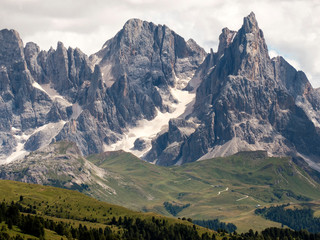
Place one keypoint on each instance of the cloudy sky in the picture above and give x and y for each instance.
(291, 27)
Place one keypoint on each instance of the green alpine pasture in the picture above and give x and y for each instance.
(228, 188)
(71, 207)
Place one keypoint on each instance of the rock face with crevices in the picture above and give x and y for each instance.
(92, 101)
(61, 165)
(22, 106)
(245, 101)
(133, 74)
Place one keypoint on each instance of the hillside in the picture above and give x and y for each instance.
(75, 209)
(227, 188)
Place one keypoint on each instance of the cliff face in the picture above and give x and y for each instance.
(245, 101)
(133, 76)
(62, 94)
(147, 83)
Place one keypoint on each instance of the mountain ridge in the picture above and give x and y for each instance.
(77, 89)
(246, 101)
(200, 105)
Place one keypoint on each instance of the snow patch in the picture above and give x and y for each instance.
(54, 95)
(107, 76)
(149, 129)
(21, 138)
(311, 163)
(19, 152)
(308, 109)
(38, 86)
(76, 111)
(233, 36)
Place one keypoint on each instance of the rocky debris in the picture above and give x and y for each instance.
(245, 101)
(43, 136)
(167, 146)
(61, 165)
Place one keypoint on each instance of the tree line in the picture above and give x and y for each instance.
(131, 228)
(216, 225)
(296, 219)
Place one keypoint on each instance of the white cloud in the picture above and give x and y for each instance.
(291, 27)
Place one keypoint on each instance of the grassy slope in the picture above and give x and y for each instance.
(264, 180)
(70, 206)
(139, 185)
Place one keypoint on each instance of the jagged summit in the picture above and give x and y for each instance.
(244, 101)
(250, 23)
(225, 39)
(9, 33)
(12, 47)
(60, 94)
(135, 24)
(148, 80)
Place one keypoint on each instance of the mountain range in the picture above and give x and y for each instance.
(150, 92)
(154, 123)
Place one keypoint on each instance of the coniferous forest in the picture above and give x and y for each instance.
(296, 219)
(28, 222)
(216, 225)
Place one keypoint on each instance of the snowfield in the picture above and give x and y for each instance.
(147, 130)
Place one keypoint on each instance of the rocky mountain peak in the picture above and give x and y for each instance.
(31, 49)
(225, 39)
(251, 37)
(250, 52)
(240, 99)
(133, 23)
(245, 101)
(11, 50)
(250, 24)
(10, 35)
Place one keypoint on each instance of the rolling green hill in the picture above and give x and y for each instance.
(74, 208)
(228, 188)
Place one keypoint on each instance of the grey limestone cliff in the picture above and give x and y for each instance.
(245, 101)
(61, 94)
(132, 79)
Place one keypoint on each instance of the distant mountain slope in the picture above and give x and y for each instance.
(245, 101)
(237, 183)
